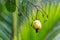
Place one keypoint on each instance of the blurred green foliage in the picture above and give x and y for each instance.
(14, 27)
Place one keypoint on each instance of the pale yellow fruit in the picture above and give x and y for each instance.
(37, 24)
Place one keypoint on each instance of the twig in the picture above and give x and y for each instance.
(37, 7)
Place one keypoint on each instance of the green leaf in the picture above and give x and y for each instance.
(11, 5)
